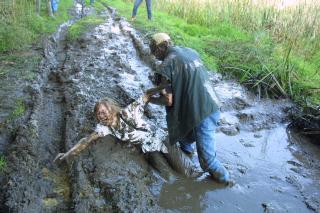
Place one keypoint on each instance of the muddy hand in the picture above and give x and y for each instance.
(60, 157)
(156, 90)
(146, 98)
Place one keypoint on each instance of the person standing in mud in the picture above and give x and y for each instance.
(135, 9)
(191, 103)
(125, 124)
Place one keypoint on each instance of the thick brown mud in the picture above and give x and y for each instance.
(275, 169)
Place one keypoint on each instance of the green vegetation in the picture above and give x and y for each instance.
(21, 25)
(83, 25)
(264, 46)
(3, 163)
(273, 48)
(98, 6)
(19, 109)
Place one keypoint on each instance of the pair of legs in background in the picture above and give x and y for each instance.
(137, 4)
(204, 136)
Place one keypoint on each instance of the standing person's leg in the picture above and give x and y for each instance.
(149, 8)
(54, 6)
(206, 148)
(135, 8)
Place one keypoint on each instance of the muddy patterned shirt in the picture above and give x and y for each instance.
(133, 129)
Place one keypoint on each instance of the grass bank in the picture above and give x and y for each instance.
(21, 29)
(231, 38)
(21, 25)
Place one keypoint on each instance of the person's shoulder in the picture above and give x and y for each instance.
(185, 52)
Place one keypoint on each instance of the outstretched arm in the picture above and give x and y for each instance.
(81, 145)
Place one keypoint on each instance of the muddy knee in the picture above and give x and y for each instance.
(159, 162)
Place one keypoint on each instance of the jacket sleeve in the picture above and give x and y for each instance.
(133, 113)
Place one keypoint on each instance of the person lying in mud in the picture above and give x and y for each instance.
(191, 103)
(126, 124)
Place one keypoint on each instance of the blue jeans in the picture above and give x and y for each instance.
(137, 4)
(54, 5)
(203, 135)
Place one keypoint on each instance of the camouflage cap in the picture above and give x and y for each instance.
(158, 38)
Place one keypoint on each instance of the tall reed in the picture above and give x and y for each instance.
(298, 22)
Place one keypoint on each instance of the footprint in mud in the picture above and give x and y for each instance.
(246, 144)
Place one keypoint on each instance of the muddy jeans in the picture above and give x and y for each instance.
(204, 134)
(137, 4)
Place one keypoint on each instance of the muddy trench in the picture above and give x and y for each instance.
(274, 169)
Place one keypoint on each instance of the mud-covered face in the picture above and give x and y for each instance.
(160, 50)
(104, 114)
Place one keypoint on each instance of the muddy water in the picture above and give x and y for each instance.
(274, 170)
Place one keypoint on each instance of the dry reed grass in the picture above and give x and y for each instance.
(296, 21)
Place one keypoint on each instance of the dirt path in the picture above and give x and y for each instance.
(274, 172)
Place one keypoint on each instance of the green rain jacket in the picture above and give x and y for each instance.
(193, 97)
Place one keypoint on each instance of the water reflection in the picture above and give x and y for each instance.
(187, 195)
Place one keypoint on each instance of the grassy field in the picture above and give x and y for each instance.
(273, 48)
(21, 25)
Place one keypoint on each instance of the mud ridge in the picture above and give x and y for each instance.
(35, 184)
(109, 176)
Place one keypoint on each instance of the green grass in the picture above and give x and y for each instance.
(182, 33)
(21, 26)
(98, 6)
(271, 50)
(253, 56)
(3, 163)
(83, 25)
(19, 109)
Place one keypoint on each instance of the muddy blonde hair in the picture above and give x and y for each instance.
(109, 103)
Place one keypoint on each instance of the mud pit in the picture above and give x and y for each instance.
(273, 173)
